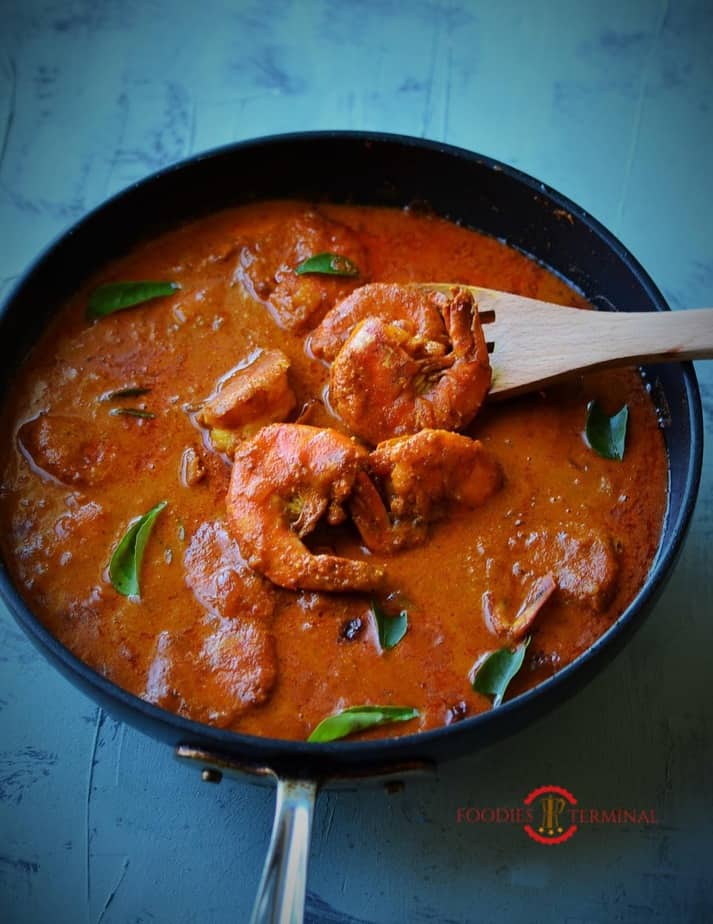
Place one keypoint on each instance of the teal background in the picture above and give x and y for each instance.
(609, 102)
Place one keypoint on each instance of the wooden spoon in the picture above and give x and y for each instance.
(534, 343)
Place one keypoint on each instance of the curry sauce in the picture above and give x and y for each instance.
(109, 417)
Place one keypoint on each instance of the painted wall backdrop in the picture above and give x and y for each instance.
(609, 102)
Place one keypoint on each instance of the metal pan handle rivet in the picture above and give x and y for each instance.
(208, 775)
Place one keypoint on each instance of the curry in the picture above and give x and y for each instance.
(250, 474)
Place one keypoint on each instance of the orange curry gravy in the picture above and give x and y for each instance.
(213, 641)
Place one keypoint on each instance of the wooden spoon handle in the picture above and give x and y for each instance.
(665, 336)
(537, 344)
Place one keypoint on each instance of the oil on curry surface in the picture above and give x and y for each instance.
(266, 492)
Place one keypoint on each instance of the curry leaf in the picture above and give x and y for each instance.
(131, 412)
(356, 718)
(606, 435)
(130, 392)
(115, 296)
(391, 629)
(331, 264)
(497, 670)
(125, 564)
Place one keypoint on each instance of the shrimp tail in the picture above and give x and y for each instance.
(304, 571)
(376, 528)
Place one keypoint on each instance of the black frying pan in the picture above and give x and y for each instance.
(384, 170)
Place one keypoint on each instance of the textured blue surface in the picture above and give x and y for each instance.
(610, 103)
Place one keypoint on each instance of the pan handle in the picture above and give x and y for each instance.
(281, 894)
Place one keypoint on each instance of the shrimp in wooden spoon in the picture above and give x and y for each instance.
(389, 380)
(397, 304)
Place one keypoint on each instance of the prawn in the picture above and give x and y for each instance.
(284, 481)
(398, 304)
(420, 477)
(387, 380)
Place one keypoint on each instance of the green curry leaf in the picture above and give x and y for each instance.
(331, 264)
(356, 718)
(131, 391)
(115, 296)
(391, 629)
(131, 412)
(497, 670)
(606, 435)
(125, 564)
